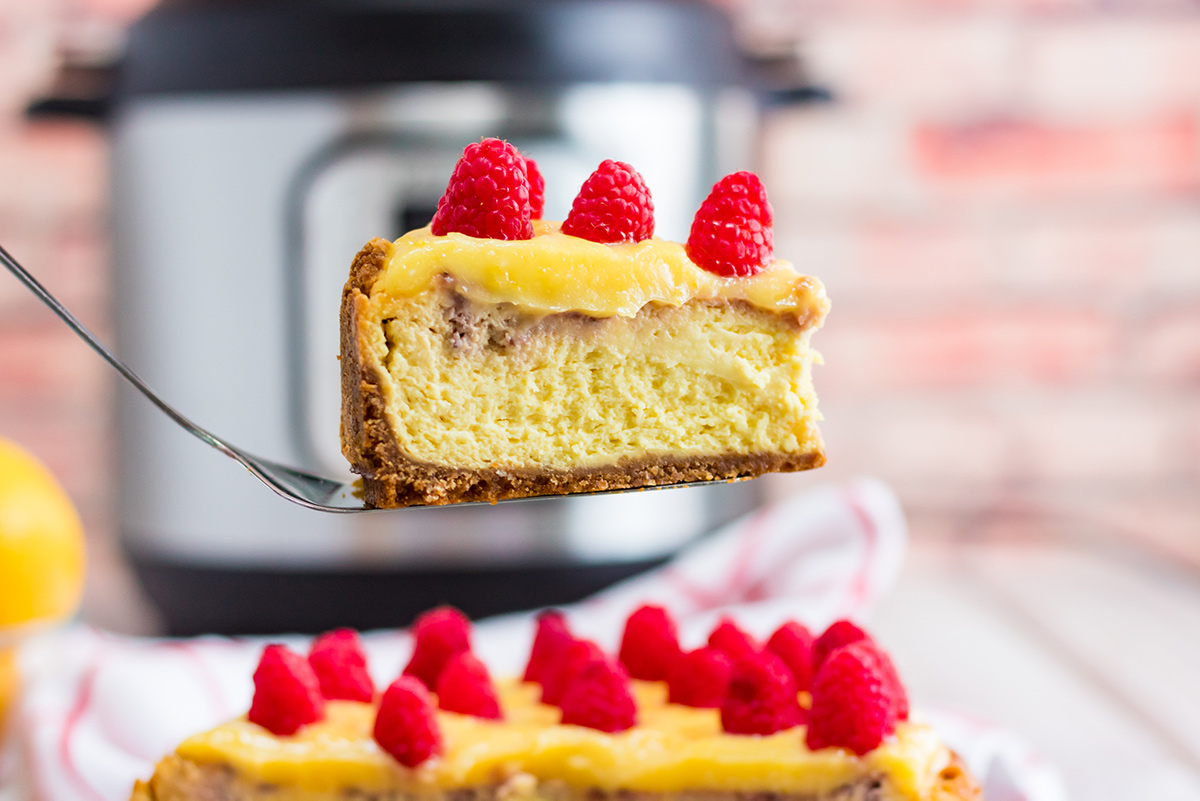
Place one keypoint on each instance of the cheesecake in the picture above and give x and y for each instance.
(773, 730)
(480, 369)
(674, 753)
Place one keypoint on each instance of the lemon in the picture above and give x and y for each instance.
(41, 543)
(8, 683)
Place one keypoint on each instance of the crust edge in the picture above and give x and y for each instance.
(367, 440)
(417, 483)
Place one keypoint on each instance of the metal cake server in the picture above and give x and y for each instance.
(297, 486)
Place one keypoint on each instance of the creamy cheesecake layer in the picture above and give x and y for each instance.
(554, 272)
(481, 386)
(673, 749)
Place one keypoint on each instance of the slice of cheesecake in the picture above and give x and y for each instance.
(479, 369)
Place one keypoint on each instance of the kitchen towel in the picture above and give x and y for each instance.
(100, 709)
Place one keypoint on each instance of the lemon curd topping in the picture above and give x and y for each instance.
(672, 749)
(554, 272)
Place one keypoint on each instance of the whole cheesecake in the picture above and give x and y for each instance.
(479, 369)
(675, 752)
(796, 719)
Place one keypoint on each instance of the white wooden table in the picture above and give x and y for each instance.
(1090, 650)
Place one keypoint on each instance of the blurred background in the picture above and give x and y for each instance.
(1003, 199)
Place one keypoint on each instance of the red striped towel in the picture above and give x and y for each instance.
(99, 709)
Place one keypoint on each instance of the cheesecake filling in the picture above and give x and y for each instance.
(554, 273)
(673, 749)
(494, 386)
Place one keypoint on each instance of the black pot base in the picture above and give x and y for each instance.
(219, 600)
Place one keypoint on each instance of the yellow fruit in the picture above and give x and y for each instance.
(41, 543)
(8, 681)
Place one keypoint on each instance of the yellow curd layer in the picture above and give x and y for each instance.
(672, 749)
(553, 273)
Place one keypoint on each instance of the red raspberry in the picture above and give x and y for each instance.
(287, 694)
(338, 659)
(732, 641)
(793, 644)
(537, 189)
(614, 205)
(851, 705)
(599, 698)
(731, 233)
(700, 679)
(650, 644)
(839, 633)
(761, 698)
(550, 645)
(437, 635)
(406, 725)
(465, 687)
(895, 687)
(488, 194)
(556, 682)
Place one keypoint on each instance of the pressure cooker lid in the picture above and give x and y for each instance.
(222, 45)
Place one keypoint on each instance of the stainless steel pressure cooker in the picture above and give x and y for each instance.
(256, 147)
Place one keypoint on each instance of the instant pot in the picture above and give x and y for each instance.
(255, 148)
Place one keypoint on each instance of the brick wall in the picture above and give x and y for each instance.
(55, 395)
(1004, 202)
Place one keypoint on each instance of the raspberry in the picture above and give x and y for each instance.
(599, 698)
(891, 677)
(731, 232)
(287, 694)
(613, 205)
(793, 644)
(488, 194)
(406, 725)
(839, 633)
(537, 189)
(437, 635)
(465, 687)
(550, 645)
(700, 679)
(851, 706)
(732, 641)
(576, 658)
(650, 644)
(338, 659)
(761, 698)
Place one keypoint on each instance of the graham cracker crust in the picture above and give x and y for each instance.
(415, 483)
(392, 479)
